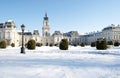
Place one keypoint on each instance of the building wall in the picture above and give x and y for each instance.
(9, 33)
(111, 33)
(57, 39)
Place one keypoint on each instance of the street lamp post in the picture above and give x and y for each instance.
(22, 48)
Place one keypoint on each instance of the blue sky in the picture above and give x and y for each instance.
(64, 15)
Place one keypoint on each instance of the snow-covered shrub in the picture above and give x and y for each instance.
(3, 44)
(101, 45)
(75, 45)
(93, 44)
(116, 43)
(12, 45)
(56, 44)
(82, 44)
(109, 43)
(63, 44)
(51, 44)
(39, 44)
(31, 44)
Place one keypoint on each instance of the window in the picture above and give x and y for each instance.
(114, 37)
(8, 26)
(1, 26)
(46, 33)
(57, 39)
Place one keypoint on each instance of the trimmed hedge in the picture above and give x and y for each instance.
(56, 44)
(75, 45)
(39, 44)
(101, 45)
(31, 44)
(109, 43)
(116, 43)
(82, 44)
(51, 45)
(3, 44)
(13, 45)
(93, 44)
(63, 44)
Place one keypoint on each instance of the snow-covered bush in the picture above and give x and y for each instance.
(51, 44)
(39, 44)
(12, 45)
(93, 44)
(31, 44)
(82, 44)
(109, 43)
(56, 44)
(101, 44)
(116, 43)
(63, 44)
(3, 44)
(75, 45)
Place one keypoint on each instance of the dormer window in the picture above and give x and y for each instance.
(9, 26)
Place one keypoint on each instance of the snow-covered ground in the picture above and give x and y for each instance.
(50, 62)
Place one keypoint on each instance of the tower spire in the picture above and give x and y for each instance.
(46, 18)
(46, 14)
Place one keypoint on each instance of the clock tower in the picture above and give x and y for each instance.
(46, 31)
(46, 28)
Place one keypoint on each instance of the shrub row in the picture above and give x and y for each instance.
(39, 44)
(3, 44)
(100, 45)
(116, 43)
(82, 44)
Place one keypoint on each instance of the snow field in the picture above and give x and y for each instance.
(50, 62)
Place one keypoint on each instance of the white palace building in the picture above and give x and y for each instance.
(9, 33)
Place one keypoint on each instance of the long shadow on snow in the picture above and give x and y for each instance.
(55, 62)
(104, 53)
